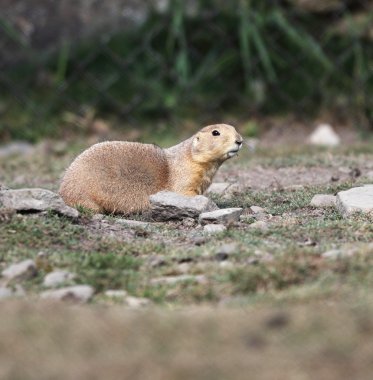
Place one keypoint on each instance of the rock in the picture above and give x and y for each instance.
(294, 187)
(77, 293)
(214, 228)
(226, 265)
(223, 216)
(183, 268)
(172, 280)
(36, 200)
(156, 261)
(324, 135)
(116, 293)
(323, 200)
(232, 190)
(98, 217)
(131, 223)
(20, 271)
(226, 250)
(259, 257)
(357, 199)
(259, 213)
(200, 240)
(56, 278)
(257, 210)
(188, 222)
(218, 188)
(167, 205)
(260, 225)
(335, 254)
(136, 302)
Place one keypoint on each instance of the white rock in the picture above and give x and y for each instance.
(98, 217)
(323, 200)
(260, 225)
(294, 187)
(20, 271)
(56, 278)
(167, 205)
(257, 210)
(226, 250)
(214, 228)
(226, 265)
(35, 200)
(172, 280)
(222, 216)
(77, 293)
(189, 222)
(324, 135)
(233, 190)
(357, 199)
(218, 188)
(132, 223)
(116, 293)
(334, 254)
(136, 302)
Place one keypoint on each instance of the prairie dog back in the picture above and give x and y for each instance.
(115, 176)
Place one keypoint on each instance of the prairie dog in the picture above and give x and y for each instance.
(119, 176)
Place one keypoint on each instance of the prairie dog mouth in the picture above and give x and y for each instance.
(233, 152)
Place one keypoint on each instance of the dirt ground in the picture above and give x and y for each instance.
(249, 303)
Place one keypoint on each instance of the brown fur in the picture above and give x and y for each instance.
(119, 176)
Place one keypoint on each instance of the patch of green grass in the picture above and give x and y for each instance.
(107, 270)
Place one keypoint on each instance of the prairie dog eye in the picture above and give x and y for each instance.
(215, 133)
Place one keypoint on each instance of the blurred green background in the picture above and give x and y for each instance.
(154, 63)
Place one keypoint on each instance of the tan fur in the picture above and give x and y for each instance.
(119, 176)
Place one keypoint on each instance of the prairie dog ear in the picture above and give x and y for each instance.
(196, 140)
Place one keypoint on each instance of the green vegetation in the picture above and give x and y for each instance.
(242, 57)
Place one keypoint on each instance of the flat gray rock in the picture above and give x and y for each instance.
(20, 271)
(136, 302)
(172, 280)
(212, 229)
(35, 200)
(225, 251)
(357, 199)
(260, 225)
(335, 254)
(167, 205)
(323, 200)
(218, 188)
(116, 294)
(77, 293)
(258, 210)
(56, 278)
(222, 216)
(132, 223)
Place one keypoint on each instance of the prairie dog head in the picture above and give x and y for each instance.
(216, 143)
